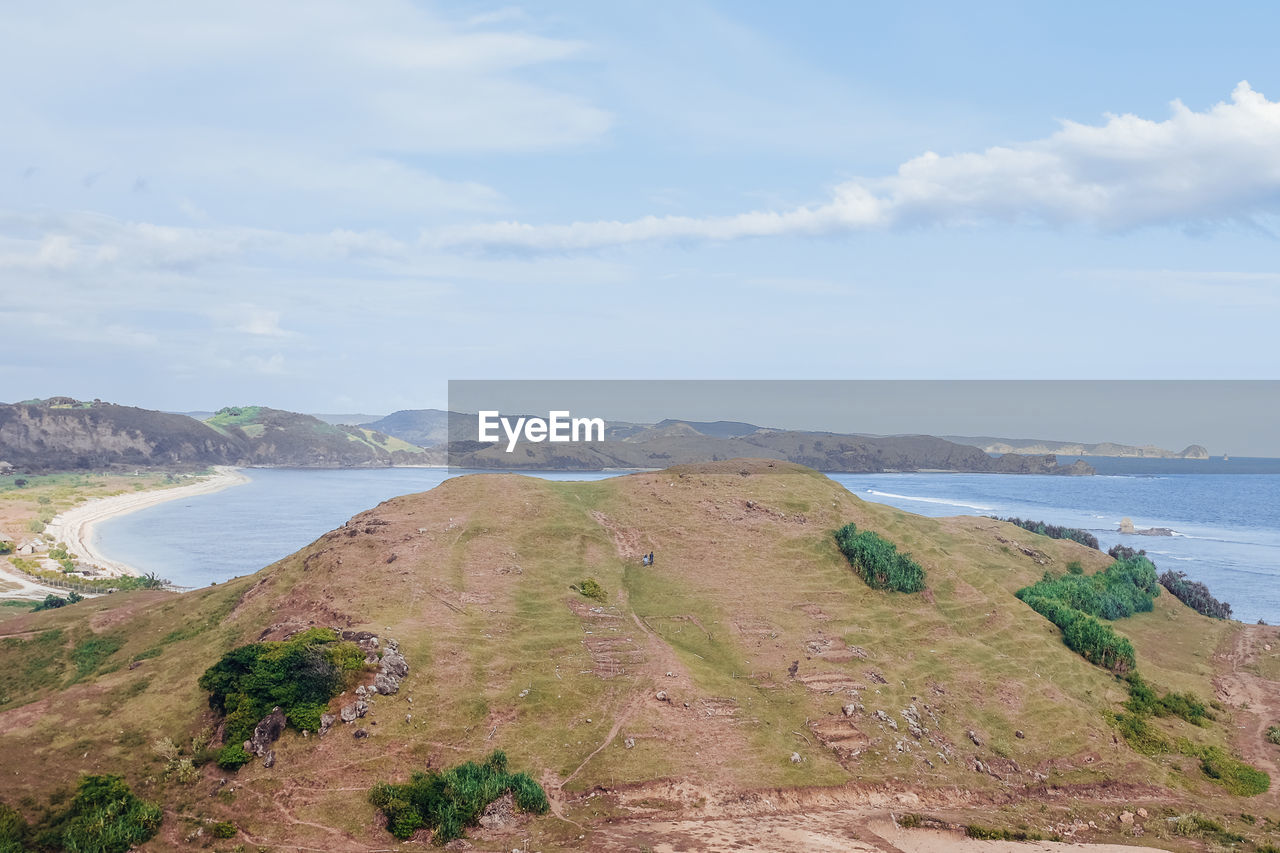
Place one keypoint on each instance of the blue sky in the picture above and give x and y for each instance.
(339, 206)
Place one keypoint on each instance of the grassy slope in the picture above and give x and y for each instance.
(478, 596)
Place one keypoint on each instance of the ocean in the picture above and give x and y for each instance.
(1227, 524)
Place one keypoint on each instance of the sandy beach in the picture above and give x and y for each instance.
(75, 527)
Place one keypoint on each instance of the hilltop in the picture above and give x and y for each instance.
(62, 433)
(746, 680)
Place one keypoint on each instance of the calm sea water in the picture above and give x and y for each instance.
(1228, 525)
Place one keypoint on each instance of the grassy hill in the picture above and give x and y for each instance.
(275, 437)
(750, 624)
(61, 434)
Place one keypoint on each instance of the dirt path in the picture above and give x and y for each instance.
(1254, 700)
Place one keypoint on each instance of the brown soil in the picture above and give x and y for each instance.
(1254, 700)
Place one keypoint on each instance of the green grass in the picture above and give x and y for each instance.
(91, 653)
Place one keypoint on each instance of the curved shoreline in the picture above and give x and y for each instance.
(75, 527)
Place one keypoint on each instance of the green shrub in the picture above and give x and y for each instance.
(1273, 735)
(233, 757)
(1144, 700)
(1072, 601)
(1198, 826)
(1233, 774)
(591, 589)
(448, 802)
(104, 816)
(1140, 736)
(5, 547)
(223, 829)
(986, 833)
(13, 830)
(1122, 589)
(306, 717)
(1195, 595)
(877, 561)
(300, 675)
(1075, 568)
(1054, 531)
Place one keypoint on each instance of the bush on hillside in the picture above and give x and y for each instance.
(1195, 595)
(300, 675)
(591, 589)
(1122, 589)
(104, 816)
(1124, 552)
(1145, 701)
(877, 560)
(1055, 531)
(447, 803)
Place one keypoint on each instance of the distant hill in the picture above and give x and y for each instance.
(289, 439)
(62, 433)
(422, 427)
(672, 442)
(344, 419)
(1073, 448)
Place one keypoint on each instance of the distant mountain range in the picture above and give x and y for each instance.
(672, 442)
(62, 433)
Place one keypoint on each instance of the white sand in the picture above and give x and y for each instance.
(75, 527)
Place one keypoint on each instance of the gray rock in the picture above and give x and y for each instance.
(629, 742)
(973, 737)
(360, 733)
(265, 733)
(326, 722)
(269, 760)
(795, 758)
(349, 712)
(661, 696)
(501, 812)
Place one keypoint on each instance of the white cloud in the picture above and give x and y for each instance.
(293, 114)
(1194, 168)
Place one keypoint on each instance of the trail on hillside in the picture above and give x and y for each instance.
(1254, 700)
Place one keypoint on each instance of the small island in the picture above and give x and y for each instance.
(1126, 526)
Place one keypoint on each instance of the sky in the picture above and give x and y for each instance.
(338, 206)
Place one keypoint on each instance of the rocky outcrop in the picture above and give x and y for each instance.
(265, 733)
(392, 669)
(1126, 527)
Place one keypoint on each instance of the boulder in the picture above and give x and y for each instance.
(391, 670)
(265, 733)
(326, 722)
(353, 711)
(501, 812)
